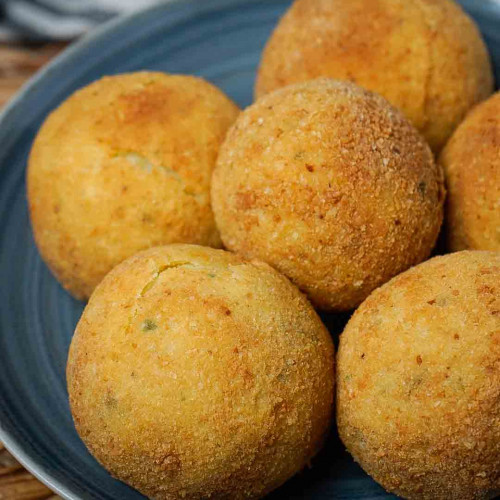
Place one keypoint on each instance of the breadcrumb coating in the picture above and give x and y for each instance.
(418, 371)
(330, 185)
(194, 373)
(471, 162)
(426, 57)
(122, 165)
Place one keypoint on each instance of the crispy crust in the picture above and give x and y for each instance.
(418, 370)
(195, 373)
(331, 186)
(471, 162)
(426, 57)
(122, 165)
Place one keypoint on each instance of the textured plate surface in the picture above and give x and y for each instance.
(220, 40)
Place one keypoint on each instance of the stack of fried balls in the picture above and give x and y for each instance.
(205, 238)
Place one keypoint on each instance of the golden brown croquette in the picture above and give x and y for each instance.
(330, 185)
(194, 373)
(426, 57)
(418, 370)
(122, 165)
(471, 162)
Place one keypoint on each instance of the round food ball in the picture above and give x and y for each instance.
(330, 185)
(418, 370)
(471, 162)
(426, 57)
(122, 165)
(194, 373)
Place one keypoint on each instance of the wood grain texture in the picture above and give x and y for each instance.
(18, 484)
(17, 64)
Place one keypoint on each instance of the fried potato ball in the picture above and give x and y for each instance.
(426, 57)
(330, 185)
(194, 373)
(122, 165)
(471, 162)
(418, 370)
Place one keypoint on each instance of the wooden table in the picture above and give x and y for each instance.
(17, 64)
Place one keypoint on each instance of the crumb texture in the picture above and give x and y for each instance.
(196, 373)
(426, 57)
(330, 185)
(418, 400)
(122, 165)
(471, 162)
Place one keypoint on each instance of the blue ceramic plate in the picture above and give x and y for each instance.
(220, 40)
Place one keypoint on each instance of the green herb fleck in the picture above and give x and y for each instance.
(148, 325)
